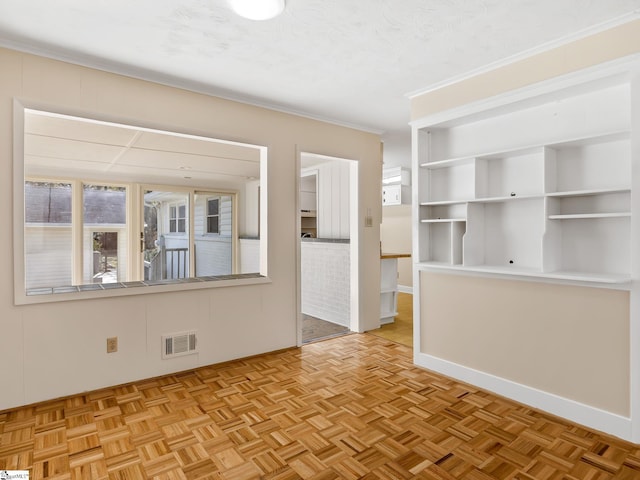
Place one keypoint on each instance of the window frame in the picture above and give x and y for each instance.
(77, 292)
(177, 206)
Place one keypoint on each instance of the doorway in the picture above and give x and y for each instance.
(327, 247)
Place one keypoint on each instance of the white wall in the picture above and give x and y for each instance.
(59, 348)
(333, 199)
(249, 207)
(249, 253)
(397, 149)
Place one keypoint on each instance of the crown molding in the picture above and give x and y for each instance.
(545, 47)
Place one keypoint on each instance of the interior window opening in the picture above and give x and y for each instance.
(110, 205)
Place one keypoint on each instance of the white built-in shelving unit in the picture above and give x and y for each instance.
(537, 187)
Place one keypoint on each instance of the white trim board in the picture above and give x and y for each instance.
(571, 410)
(405, 289)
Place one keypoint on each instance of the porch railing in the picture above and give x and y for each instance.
(169, 263)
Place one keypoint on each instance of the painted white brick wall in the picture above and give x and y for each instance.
(325, 282)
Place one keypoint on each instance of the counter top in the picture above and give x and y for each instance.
(324, 240)
(394, 255)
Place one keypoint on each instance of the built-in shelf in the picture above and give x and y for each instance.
(589, 215)
(586, 193)
(445, 202)
(443, 220)
(308, 223)
(534, 191)
(509, 198)
(448, 163)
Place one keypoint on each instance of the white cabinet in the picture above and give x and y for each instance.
(396, 188)
(539, 187)
(395, 195)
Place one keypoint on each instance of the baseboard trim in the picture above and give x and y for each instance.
(405, 289)
(595, 418)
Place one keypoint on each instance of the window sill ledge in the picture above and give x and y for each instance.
(107, 290)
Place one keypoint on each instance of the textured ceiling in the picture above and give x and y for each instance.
(349, 61)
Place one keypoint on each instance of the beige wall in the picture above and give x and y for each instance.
(607, 45)
(395, 235)
(570, 341)
(55, 349)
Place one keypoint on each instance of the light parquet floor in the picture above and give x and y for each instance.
(352, 407)
(401, 330)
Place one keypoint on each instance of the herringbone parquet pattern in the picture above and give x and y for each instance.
(347, 408)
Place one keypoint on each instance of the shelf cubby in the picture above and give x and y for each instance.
(505, 234)
(453, 183)
(510, 174)
(449, 212)
(592, 205)
(597, 162)
(591, 246)
(445, 242)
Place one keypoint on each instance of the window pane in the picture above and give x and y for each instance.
(214, 253)
(166, 240)
(105, 258)
(47, 202)
(104, 204)
(212, 207)
(47, 235)
(212, 225)
(105, 235)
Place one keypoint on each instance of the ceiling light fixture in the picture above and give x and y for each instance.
(257, 9)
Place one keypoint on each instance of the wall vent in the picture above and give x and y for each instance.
(178, 344)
